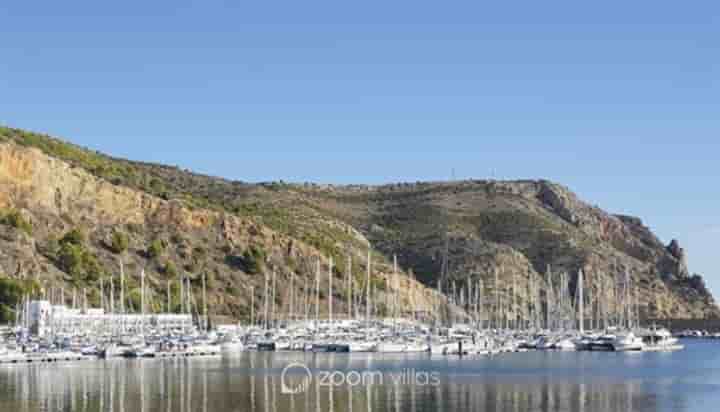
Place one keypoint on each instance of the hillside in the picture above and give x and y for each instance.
(70, 214)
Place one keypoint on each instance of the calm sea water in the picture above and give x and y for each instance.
(535, 381)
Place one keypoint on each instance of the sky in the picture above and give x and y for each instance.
(618, 100)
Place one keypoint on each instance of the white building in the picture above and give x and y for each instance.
(46, 319)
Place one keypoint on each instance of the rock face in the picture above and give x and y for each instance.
(521, 228)
(237, 233)
(56, 198)
(680, 261)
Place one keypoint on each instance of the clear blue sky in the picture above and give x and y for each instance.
(620, 100)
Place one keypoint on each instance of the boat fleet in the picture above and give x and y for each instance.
(472, 320)
(347, 336)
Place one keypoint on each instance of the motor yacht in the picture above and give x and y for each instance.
(625, 342)
(660, 340)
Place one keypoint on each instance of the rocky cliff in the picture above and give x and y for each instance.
(69, 215)
(65, 229)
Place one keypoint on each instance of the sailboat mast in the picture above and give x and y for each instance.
(273, 298)
(292, 296)
(169, 299)
(102, 295)
(181, 279)
(317, 293)
(330, 290)
(395, 292)
(142, 301)
(548, 299)
(349, 287)
(252, 306)
(205, 312)
(266, 309)
(497, 299)
(628, 299)
(122, 287)
(307, 293)
(112, 296)
(367, 287)
(514, 301)
(581, 300)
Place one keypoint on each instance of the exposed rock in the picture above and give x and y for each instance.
(57, 197)
(207, 224)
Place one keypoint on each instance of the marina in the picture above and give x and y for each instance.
(394, 206)
(477, 322)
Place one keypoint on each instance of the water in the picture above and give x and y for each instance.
(535, 381)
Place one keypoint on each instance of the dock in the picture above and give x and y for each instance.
(43, 358)
(184, 354)
(666, 348)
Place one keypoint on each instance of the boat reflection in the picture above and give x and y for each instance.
(251, 382)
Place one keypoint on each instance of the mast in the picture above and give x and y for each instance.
(514, 301)
(267, 301)
(367, 287)
(637, 306)
(581, 300)
(330, 290)
(181, 279)
(445, 264)
(252, 306)
(142, 301)
(205, 312)
(292, 295)
(589, 293)
(274, 298)
(628, 299)
(169, 299)
(395, 292)
(604, 303)
(530, 302)
(122, 297)
(122, 288)
(480, 304)
(317, 293)
(306, 299)
(548, 299)
(497, 299)
(112, 296)
(349, 287)
(102, 295)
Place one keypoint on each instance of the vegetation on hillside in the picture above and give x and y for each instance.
(13, 218)
(414, 221)
(11, 294)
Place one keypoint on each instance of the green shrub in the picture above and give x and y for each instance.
(73, 237)
(169, 269)
(254, 260)
(155, 249)
(119, 242)
(78, 262)
(11, 293)
(15, 219)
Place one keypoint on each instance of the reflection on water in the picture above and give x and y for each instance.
(251, 382)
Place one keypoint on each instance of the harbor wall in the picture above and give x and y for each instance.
(677, 325)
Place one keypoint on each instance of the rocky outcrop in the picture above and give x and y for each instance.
(539, 224)
(201, 224)
(56, 198)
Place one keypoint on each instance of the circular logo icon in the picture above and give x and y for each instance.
(295, 379)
